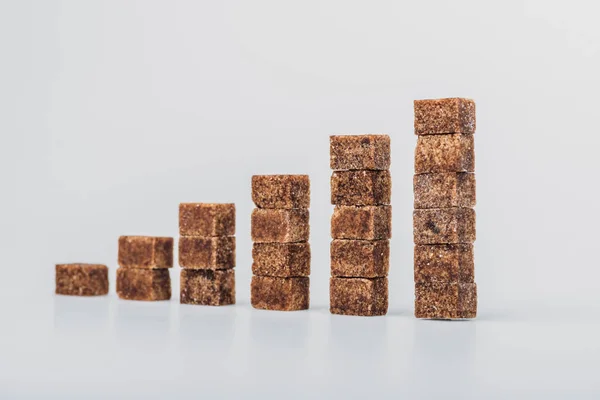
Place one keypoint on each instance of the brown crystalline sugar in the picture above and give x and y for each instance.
(143, 284)
(81, 279)
(359, 152)
(358, 296)
(207, 252)
(445, 300)
(206, 219)
(281, 259)
(445, 153)
(444, 225)
(280, 294)
(281, 191)
(207, 287)
(442, 190)
(145, 252)
(366, 223)
(444, 263)
(443, 116)
(361, 188)
(360, 258)
(282, 226)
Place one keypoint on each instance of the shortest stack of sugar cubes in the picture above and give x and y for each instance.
(207, 253)
(361, 225)
(444, 219)
(280, 253)
(144, 263)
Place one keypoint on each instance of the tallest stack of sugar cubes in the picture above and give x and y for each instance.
(444, 219)
(361, 224)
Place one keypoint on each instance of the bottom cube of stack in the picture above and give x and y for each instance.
(280, 294)
(358, 296)
(207, 287)
(143, 284)
(436, 300)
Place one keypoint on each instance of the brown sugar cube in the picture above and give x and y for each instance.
(282, 226)
(445, 153)
(207, 287)
(441, 116)
(358, 296)
(444, 263)
(361, 188)
(280, 294)
(444, 225)
(143, 284)
(366, 223)
(448, 189)
(145, 252)
(281, 191)
(360, 258)
(207, 252)
(359, 152)
(205, 219)
(281, 259)
(81, 279)
(445, 300)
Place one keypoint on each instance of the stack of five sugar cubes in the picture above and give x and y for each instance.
(207, 253)
(444, 218)
(361, 224)
(280, 253)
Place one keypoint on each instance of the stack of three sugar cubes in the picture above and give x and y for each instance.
(361, 225)
(207, 253)
(444, 218)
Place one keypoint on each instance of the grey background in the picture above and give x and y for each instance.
(113, 112)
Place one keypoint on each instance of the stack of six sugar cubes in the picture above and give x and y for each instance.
(444, 219)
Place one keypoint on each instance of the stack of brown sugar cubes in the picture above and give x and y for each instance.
(280, 252)
(144, 263)
(444, 219)
(207, 253)
(361, 227)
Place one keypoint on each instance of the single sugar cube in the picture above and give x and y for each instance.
(441, 116)
(437, 300)
(207, 219)
(443, 190)
(143, 284)
(207, 252)
(360, 258)
(280, 294)
(444, 263)
(145, 252)
(445, 153)
(207, 287)
(359, 152)
(361, 188)
(281, 191)
(281, 259)
(81, 279)
(358, 296)
(366, 223)
(444, 225)
(278, 225)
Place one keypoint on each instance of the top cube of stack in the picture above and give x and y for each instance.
(281, 191)
(206, 220)
(353, 152)
(444, 116)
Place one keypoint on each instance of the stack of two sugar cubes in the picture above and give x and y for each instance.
(280, 252)
(207, 253)
(444, 219)
(144, 263)
(360, 225)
